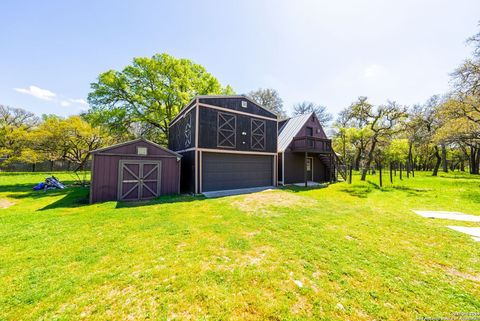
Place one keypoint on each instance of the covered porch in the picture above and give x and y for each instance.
(309, 161)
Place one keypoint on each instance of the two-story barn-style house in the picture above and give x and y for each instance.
(226, 143)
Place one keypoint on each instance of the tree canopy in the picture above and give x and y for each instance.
(270, 99)
(145, 96)
(307, 107)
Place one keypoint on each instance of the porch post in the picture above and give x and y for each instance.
(305, 171)
(332, 169)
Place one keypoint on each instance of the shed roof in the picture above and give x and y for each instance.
(141, 139)
(290, 129)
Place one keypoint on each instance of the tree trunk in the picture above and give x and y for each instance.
(474, 159)
(380, 173)
(351, 173)
(437, 164)
(462, 166)
(369, 159)
(444, 158)
(400, 168)
(33, 167)
(357, 159)
(391, 176)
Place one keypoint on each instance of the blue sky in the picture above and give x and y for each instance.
(328, 52)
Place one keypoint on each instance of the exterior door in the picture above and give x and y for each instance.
(310, 168)
(224, 171)
(138, 180)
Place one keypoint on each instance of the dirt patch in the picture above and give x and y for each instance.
(4, 203)
(266, 203)
(455, 272)
(302, 306)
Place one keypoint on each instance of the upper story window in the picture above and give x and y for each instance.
(244, 104)
(258, 134)
(226, 130)
(309, 131)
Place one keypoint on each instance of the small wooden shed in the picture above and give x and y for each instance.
(134, 170)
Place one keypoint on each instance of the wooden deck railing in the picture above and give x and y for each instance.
(311, 144)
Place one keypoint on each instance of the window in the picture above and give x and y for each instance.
(142, 150)
(226, 130)
(244, 104)
(188, 130)
(309, 131)
(258, 134)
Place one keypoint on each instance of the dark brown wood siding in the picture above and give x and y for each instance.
(316, 127)
(294, 168)
(177, 140)
(208, 132)
(235, 103)
(104, 180)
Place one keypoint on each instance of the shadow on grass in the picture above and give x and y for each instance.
(358, 190)
(409, 189)
(167, 199)
(74, 196)
(300, 189)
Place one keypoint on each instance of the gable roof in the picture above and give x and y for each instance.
(290, 130)
(141, 139)
(219, 96)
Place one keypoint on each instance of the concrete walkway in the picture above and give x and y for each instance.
(457, 216)
(236, 191)
(309, 184)
(472, 231)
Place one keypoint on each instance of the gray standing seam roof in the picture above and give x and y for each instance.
(290, 130)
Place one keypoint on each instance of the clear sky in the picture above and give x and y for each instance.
(328, 52)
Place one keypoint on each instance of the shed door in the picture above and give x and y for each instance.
(138, 179)
(223, 171)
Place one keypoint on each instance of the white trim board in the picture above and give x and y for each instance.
(236, 111)
(213, 150)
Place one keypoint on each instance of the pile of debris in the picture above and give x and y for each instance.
(50, 183)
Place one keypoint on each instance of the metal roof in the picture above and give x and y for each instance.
(290, 130)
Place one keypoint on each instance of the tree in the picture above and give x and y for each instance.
(357, 117)
(70, 139)
(306, 107)
(150, 92)
(15, 123)
(431, 121)
(463, 109)
(270, 99)
(460, 132)
(382, 124)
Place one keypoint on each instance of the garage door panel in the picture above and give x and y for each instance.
(233, 171)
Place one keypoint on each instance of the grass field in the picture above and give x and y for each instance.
(353, 252)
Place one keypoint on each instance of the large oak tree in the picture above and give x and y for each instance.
(145, 96)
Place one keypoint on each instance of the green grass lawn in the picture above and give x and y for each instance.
(342, 252)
